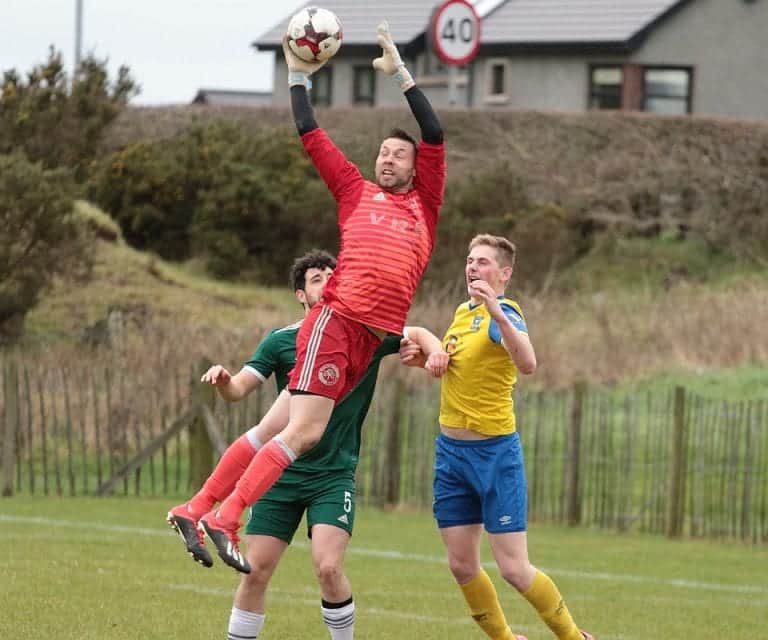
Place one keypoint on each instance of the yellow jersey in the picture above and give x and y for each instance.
(476, 390)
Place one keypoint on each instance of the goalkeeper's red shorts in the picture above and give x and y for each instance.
(332, 354)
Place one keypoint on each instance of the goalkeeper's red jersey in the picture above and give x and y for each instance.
(386, 238)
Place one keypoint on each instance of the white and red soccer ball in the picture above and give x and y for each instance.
(314, 34)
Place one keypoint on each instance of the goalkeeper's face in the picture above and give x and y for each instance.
(395, 165)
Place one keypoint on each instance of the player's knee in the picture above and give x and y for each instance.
(313, 433)
(329, 573)
(463, 570)
(254, 582)
(518, 574)
(304, 436)
(259, 576)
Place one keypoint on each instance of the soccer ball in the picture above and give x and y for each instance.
(314, 34)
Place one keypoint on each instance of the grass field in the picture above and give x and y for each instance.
(86, 568)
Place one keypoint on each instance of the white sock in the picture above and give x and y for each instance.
(256, 443)
(340, 619)
(292, 455)
(244, 625)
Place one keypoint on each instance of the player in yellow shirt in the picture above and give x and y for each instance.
(479, 474)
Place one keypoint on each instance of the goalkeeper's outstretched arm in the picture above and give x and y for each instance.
(392, 64)
(431, 129)
(303, 115)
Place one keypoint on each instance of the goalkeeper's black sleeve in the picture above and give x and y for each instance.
(302, 109)
(431, 130)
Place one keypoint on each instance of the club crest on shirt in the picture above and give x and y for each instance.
(328, 374)
(379, 197)
(476, 322)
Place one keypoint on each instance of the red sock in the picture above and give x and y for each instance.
(224, 477)
(265, 468)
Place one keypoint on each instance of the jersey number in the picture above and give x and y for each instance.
(347, 501)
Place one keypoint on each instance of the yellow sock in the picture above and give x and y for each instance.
(546, 599)
(483, 602)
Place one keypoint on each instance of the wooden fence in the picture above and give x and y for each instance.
(666, 463)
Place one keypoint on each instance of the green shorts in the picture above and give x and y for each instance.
(328, 498)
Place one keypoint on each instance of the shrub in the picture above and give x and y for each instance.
(496, 201)
(150, 189)
(58, 122)
(265, 193)
(246, 203)
(41, 238)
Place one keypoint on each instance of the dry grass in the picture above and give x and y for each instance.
(611, 337)
(171, 317)
(154, 297)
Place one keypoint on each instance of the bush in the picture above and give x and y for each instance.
(246, 203)
(150, 189)
(58, 122)
(266, 195)
(496, 201)
(41, 238)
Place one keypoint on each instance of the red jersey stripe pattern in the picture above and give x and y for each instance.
(386, 238)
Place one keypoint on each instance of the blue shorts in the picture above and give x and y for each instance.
(480, 481)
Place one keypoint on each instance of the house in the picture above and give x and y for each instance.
(666, 56)
(232, 98)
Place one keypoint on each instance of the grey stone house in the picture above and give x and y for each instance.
(668, 56)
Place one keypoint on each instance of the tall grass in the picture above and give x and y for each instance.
(612, 337)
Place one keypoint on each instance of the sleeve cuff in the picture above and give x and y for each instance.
(299, 78)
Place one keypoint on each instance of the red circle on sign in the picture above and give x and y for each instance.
(442, 54)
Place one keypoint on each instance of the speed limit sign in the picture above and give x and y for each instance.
(456, 32)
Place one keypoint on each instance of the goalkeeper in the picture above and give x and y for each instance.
(388, 230)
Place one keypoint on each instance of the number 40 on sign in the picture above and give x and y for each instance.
(456, 32)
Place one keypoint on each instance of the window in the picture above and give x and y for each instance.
(322, 82)
(364, 86)
(498, 79)
(643, 88)
(605, 86)
(667, 90)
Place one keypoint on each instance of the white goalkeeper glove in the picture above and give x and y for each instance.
(299, 70)
(390, 61)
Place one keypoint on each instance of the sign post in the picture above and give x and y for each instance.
(455, 36)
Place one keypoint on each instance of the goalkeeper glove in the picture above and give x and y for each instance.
(299, 70)
(390, 61)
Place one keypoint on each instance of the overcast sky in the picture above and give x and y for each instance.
(173, 47)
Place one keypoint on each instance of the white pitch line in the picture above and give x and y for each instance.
(73, 524)
(391, 554)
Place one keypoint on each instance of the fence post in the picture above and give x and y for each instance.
(392, 473)
(11, 394)
(200, 446)
(676, 468)
(573, 458)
